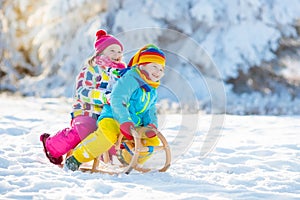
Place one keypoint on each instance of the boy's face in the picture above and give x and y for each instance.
(113, 52)
(154, 71)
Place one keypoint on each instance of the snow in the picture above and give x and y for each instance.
(44, 43)
(251, 157)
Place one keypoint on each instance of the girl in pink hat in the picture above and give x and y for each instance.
(93, 87)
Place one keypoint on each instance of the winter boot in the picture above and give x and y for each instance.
(125, 154)
(56, 161)
(72, 164)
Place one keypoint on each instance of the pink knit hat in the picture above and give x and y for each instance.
(103, 40)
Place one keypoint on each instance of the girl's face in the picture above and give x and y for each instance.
(154, 71)
(113, 52)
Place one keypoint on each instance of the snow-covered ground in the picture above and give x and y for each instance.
(257, 157)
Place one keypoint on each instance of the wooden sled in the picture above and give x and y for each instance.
(104, 163)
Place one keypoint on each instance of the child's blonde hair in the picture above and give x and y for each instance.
(90, 61)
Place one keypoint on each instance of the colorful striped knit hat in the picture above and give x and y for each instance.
(148, 54)
(104, 40)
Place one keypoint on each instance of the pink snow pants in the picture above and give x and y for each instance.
(67, 139)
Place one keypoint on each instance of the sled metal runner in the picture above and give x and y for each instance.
(103, 164)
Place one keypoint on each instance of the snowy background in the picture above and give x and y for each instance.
(252, 47)
(230, 57)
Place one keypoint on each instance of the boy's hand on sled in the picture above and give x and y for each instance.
(125, 129)
(151, 132)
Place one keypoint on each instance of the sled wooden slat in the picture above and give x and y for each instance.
(155, 148)
(167, 152)
(98, 171)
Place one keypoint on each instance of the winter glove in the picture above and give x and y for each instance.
(151, 132)
(125, 129)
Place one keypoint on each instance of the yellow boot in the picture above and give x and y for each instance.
(127, 153)
(150, 143)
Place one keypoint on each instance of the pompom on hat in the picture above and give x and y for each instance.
(103, 40)
(148, 54)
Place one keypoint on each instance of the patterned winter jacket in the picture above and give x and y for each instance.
(93, 88)
(132, 99)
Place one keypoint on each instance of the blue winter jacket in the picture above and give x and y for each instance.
(132, 100)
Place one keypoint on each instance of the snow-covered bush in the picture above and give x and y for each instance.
(43, 44)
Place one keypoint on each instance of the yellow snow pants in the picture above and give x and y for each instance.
(103, 139)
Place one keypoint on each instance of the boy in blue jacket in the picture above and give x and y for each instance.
(132, 104)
